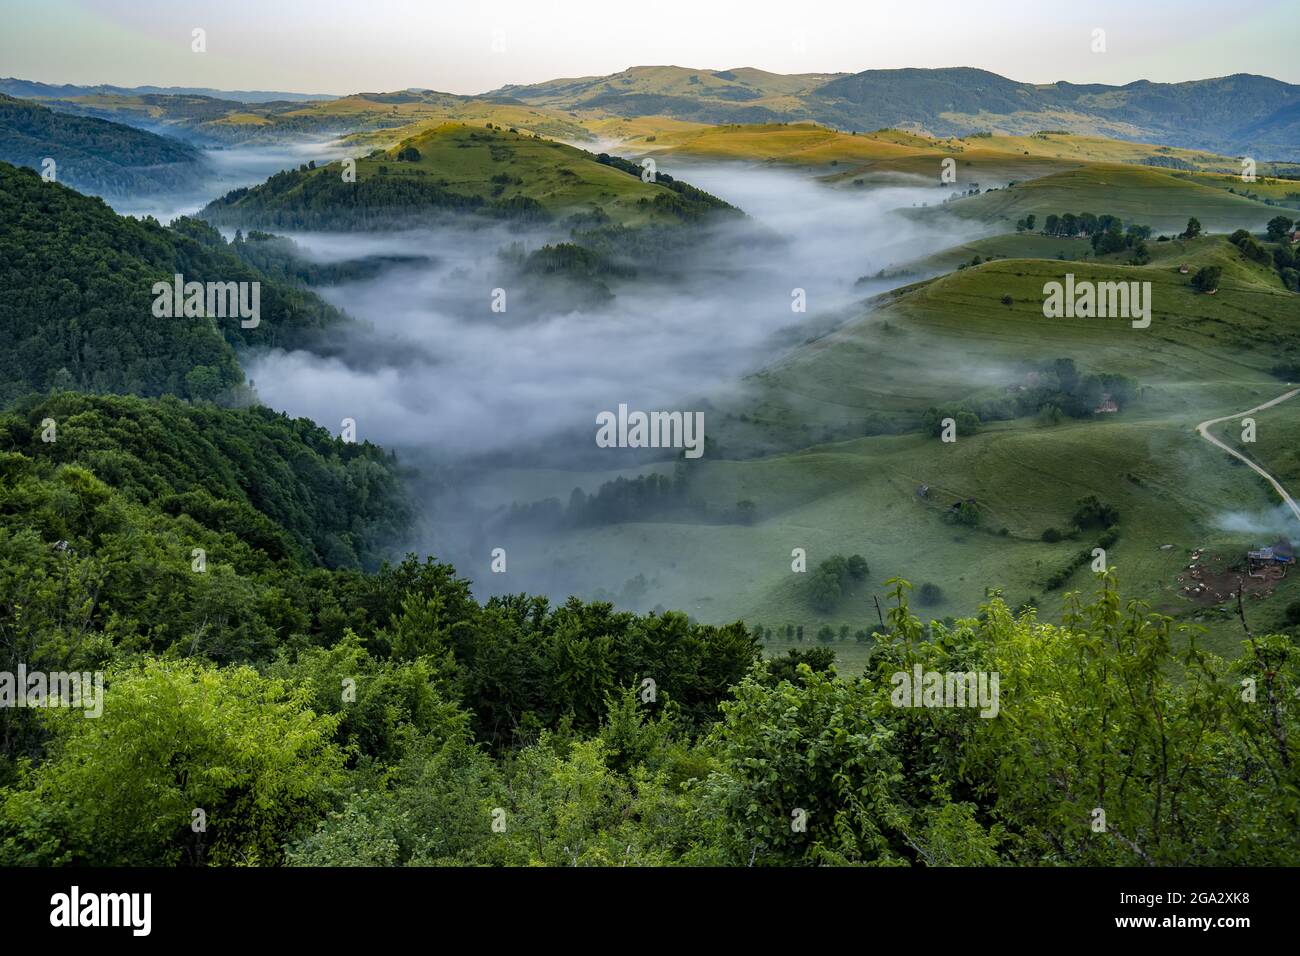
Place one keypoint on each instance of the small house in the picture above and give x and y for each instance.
(1107, 404)
(1278, 554)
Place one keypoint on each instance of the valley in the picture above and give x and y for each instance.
(814, 419)
(573, 464)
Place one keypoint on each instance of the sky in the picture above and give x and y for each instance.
(324, 46)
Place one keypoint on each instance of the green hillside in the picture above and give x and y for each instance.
(744, 95)
(484, 170)
(953, 342)
(229, 572)
(846, 158)
(885, 361)
(77, 306)
(94, 155)
(233, 481)
(1133, 193)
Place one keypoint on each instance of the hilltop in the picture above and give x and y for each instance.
(484, 170)
(1161, 199)
(709, 96)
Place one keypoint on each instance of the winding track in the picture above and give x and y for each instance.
(1204, 429)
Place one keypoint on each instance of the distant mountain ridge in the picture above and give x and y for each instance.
(1243, 114)
(32, 89)
(1239, 115)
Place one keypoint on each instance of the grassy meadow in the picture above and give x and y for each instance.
(827, 487)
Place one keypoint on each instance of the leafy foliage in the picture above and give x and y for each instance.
(77, 307)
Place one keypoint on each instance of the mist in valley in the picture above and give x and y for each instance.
(496, 409)
(223, 169)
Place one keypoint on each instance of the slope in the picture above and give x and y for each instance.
(94, 155)
(457, 168)
(954, 341)
(77, 304)
(1151, 197)
(1233, 115)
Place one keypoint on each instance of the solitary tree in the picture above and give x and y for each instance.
(1207, 279)
(1278, 227)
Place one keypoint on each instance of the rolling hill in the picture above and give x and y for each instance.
(30, 89)
(1233, 115)
(484, 170)
(1160, 199)
(1248, 114)
(94, 155)
(742, 95)
(853, 159)
(955, 340)
(378, 119)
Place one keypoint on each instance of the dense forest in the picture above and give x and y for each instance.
(94, 154)
(76, 311)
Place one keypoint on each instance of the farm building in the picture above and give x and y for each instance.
(1107, 404)
(1280, 553)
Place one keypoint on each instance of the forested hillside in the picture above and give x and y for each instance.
(77, 299)
(94, 154)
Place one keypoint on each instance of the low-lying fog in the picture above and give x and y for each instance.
(496, 407)
(227, 169)
(484, 401)
(472, 381)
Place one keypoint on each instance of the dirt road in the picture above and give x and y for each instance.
(1204, 429)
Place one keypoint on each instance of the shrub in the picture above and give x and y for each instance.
(929, 595)
(1091, 510)
(1206, 279)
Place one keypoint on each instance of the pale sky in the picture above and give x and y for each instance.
(323, 46)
